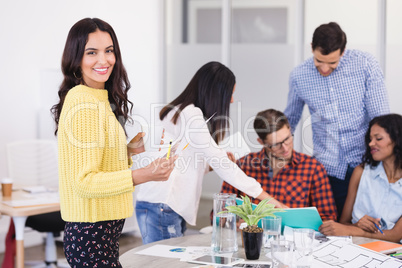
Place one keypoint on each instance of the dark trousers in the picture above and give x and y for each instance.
(340, 190)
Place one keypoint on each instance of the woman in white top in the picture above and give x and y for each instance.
(373, 206)
(164, 208)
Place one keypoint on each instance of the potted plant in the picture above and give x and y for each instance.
(252, 234)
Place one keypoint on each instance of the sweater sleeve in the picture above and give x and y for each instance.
(94, 148)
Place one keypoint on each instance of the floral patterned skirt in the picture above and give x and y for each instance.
(93, 244)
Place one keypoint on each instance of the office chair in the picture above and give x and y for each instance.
(34, 163)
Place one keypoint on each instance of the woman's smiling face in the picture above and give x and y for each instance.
(98, 60)
(381, 145)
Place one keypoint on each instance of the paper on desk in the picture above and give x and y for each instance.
(340, 252)
(235, 144)
(288, 235)
(165, 251)
(182, 253)
(35, 189)
(196, 252)
(175, 251)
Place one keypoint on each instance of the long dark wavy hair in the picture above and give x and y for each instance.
(117, 85)
(211, 90)
(392, 124)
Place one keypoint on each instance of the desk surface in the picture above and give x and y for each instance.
(25, 211)
(20, 215)
(131, 259)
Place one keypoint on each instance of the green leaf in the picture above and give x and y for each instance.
(247, 207)
(260, 206)
(250, 216)
(253, 219)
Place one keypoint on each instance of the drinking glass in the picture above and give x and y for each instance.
(272, 230)
(282, 253)
(303, 239)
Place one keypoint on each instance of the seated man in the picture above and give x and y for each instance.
(295, 179)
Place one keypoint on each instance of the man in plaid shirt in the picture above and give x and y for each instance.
(295, 179)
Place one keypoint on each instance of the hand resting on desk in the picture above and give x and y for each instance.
(368, 223)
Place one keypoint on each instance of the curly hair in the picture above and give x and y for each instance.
(117, 85)
(392, 124)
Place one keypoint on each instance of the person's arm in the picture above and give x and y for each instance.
(346, 216)
(376, 97)
(265, 195)
(217, 158)
(321, 194)
(365, 223)
(158, 170)
(345, 226)
(338, 229)
(294, 107)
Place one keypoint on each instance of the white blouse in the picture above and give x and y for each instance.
(378, 198)
(182, 191)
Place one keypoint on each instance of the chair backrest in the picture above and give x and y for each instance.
(33, 162)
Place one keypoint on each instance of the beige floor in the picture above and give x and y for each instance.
(127, 241)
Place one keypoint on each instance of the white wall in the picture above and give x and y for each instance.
(33, 34)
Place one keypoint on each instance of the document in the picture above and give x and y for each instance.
(341, 253)
(182, 253)
(307, 217)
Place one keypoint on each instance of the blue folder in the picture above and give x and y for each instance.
(307, 217)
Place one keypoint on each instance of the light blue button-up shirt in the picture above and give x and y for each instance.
(341, 106)
(378, 198)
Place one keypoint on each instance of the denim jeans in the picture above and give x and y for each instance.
(157, 221)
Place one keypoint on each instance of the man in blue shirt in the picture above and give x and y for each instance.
(344, 90)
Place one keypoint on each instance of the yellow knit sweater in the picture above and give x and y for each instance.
(95, 179)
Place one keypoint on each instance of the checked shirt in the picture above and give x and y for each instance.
(341, 106)
(301, 183)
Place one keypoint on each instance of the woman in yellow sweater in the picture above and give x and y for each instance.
(96, 182)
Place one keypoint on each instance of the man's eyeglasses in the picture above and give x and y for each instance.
(278, 145)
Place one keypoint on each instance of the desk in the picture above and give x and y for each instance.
(130, 260)
(19, 216)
